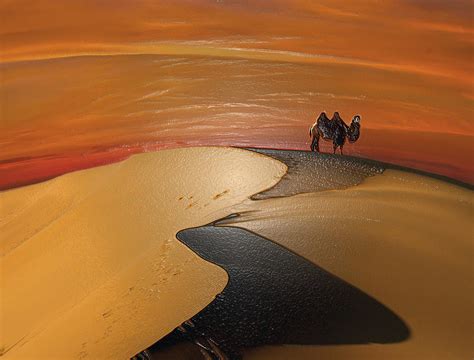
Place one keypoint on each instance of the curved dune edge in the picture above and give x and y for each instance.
(90, 263)
(310, 172)
(403, 238)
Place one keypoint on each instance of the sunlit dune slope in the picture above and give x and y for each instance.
(91, 268)
(402, 238)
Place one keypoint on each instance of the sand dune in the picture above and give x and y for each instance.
(90, 263)
(403, 238)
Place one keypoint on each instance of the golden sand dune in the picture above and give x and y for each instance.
(92, 269)
(403, 238)
(90, 264)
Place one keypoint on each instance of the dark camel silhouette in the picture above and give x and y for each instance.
(334, 129)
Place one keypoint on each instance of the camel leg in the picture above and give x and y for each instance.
(335, 148)
(315, 143)
(341, 150)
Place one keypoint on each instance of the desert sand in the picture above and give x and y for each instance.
(403, 238)
(91, 268)
(90, 261)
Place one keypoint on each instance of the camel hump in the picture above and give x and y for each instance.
(322, 117)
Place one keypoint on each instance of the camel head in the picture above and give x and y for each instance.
(353, 132)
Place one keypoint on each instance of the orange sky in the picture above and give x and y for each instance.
(102, 77)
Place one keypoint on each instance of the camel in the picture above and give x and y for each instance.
(334, 129)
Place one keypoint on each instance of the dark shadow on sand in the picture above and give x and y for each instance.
(275, 296)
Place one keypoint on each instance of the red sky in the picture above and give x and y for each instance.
(86, 83)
